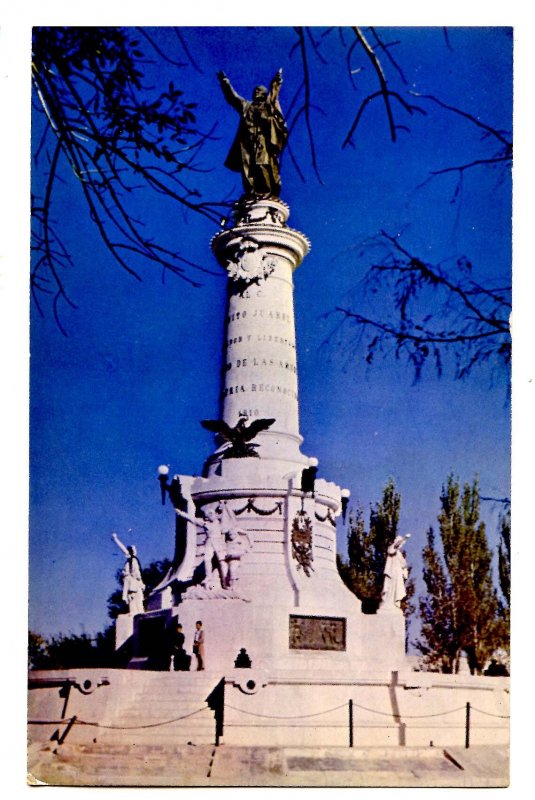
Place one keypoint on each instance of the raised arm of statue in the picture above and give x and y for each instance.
(194, 521)
(231, 96)
(274, 89)
(260, 139)
(400, 541)
(395, 574)
(119, 544)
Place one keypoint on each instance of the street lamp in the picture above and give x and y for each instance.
(346, 494)
(163, 472)
(173, 489)
(308, 476)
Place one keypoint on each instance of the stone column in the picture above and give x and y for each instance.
(260, 253)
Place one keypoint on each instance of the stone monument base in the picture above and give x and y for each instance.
(325, 639)
(279, 707)
(287, 608)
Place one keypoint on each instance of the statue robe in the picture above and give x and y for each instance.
(261, 137)
(395, 575)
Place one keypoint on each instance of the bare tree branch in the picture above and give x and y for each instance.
(384, 92)
(386, 50)
(474, 120)
(382, 82)
(306, 106)
(187, 50)
(88, 85)
(160, 52)
(433, 313)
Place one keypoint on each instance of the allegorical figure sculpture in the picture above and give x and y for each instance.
(223, 543)
(261, 137)
(133, 586)
(214, 543)
(395, 574)
(237, 544)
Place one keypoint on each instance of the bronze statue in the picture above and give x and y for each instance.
(260, 139)
(238, 439)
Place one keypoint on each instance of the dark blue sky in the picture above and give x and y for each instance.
(140, 367)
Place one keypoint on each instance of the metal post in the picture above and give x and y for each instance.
(351, 723)
(216, 701)
(467, 727)
(66, 731)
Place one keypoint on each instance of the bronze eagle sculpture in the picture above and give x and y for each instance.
(238, 439)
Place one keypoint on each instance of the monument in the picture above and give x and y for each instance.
(255, 555)
(261, 641)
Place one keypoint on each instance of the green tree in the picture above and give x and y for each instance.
(362, 571)
(504, 562)
(504, 574)
(460, 610)
(71, 651)
(439, 642)
(37, 651)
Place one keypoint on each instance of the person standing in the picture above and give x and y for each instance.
(178, 656)
(198, 644)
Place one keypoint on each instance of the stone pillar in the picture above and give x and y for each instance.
(259, 254)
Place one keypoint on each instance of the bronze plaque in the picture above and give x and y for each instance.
(317, 633)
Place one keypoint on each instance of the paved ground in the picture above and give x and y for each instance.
(206, 765)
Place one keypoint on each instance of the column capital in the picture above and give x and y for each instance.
(259, 231)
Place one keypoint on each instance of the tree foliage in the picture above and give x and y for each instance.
(504, 574)
(362, 571)
(460, 610)
(504, 564)
(115, 138)
(104, 128)
(71, 651)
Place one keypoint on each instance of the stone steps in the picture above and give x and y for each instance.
(106, 764)
(164, 708)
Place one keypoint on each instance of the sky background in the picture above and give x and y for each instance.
(126, 389)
